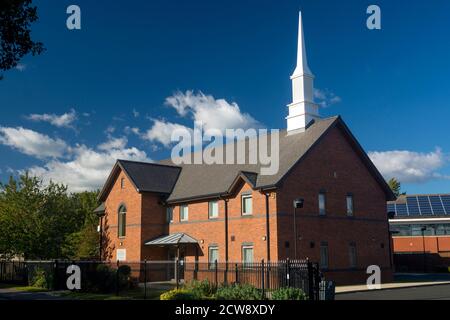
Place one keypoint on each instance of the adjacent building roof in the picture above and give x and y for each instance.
(172, 239)
(420, 206)
(187, 182)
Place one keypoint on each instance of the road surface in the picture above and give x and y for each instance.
(434, 292)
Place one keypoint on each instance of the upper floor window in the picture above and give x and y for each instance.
(324, 255)
(352, 254)
(213, 209)
(122, 220)
(322, 204)
(184, 212)
(122, 183)
(247, 204)
(349, 201)
(169, 214)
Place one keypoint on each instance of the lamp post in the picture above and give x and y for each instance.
(298, 203)
(423, 245)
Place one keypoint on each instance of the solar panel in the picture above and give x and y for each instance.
(446, 202)
(402, 210)
(436, 205)
(424, 204)
(413, 206)
(391, 207)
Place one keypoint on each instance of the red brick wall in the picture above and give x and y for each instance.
(244, 229)
(334, 167)
(133, 202)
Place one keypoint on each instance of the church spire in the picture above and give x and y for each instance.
(302, 63)
(302, 110)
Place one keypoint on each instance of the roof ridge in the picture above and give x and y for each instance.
(149, 163)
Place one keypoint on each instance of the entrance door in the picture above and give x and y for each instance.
(172, 255)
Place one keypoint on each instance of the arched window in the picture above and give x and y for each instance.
(122, 221)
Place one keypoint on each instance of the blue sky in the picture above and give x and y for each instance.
(111, 80)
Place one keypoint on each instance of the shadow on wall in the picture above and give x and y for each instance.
(422, 263)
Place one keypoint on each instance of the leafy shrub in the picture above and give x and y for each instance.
(288, 294)
(124, 276)
(103, 279)
(42, 279)
(178, 294)
(238, 292)
(201, 289)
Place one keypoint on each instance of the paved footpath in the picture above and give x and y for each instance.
(13, 294)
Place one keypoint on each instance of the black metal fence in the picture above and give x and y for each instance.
(267, 276)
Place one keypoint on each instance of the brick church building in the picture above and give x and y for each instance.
(230, 212)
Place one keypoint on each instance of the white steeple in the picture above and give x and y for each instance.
(302, 110)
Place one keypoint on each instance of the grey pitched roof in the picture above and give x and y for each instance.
(146, 177)
(100, 209)
(200, 181)
(215, 179)
(172, 239)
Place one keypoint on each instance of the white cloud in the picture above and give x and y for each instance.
(326, 98)
(410, 166)
(64, 120)
(21, 67)
(113, 143)
(134, 130)
(161, 131)
(135, 113)
(213, 113)
(87, 169)
(32, 143)
(205, 109)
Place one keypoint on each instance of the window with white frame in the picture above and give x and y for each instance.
(322, 204)
(213, 256)
(349, 201)
(247, 254)
(247, 204)
(213, 209)
(122, 183)
(184, 212)
(169, 214)
(324, 255)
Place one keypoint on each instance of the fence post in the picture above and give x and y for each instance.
(288, 271)
(145, 279)
(176, 272)
(117, 278)
(196, 268)
(236, 273)
(318, 280)
(263, 274)
(310, 280)
(55, 275)
(215, 272)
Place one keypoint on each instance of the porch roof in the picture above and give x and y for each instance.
(172, 239)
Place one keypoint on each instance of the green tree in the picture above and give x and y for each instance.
(40, 221)
(84, 243)
(395, 186)
(16, 16)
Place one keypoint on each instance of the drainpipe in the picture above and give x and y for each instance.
(267, 226)
(226, 230)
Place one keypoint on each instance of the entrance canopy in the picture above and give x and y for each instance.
(172, 240)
